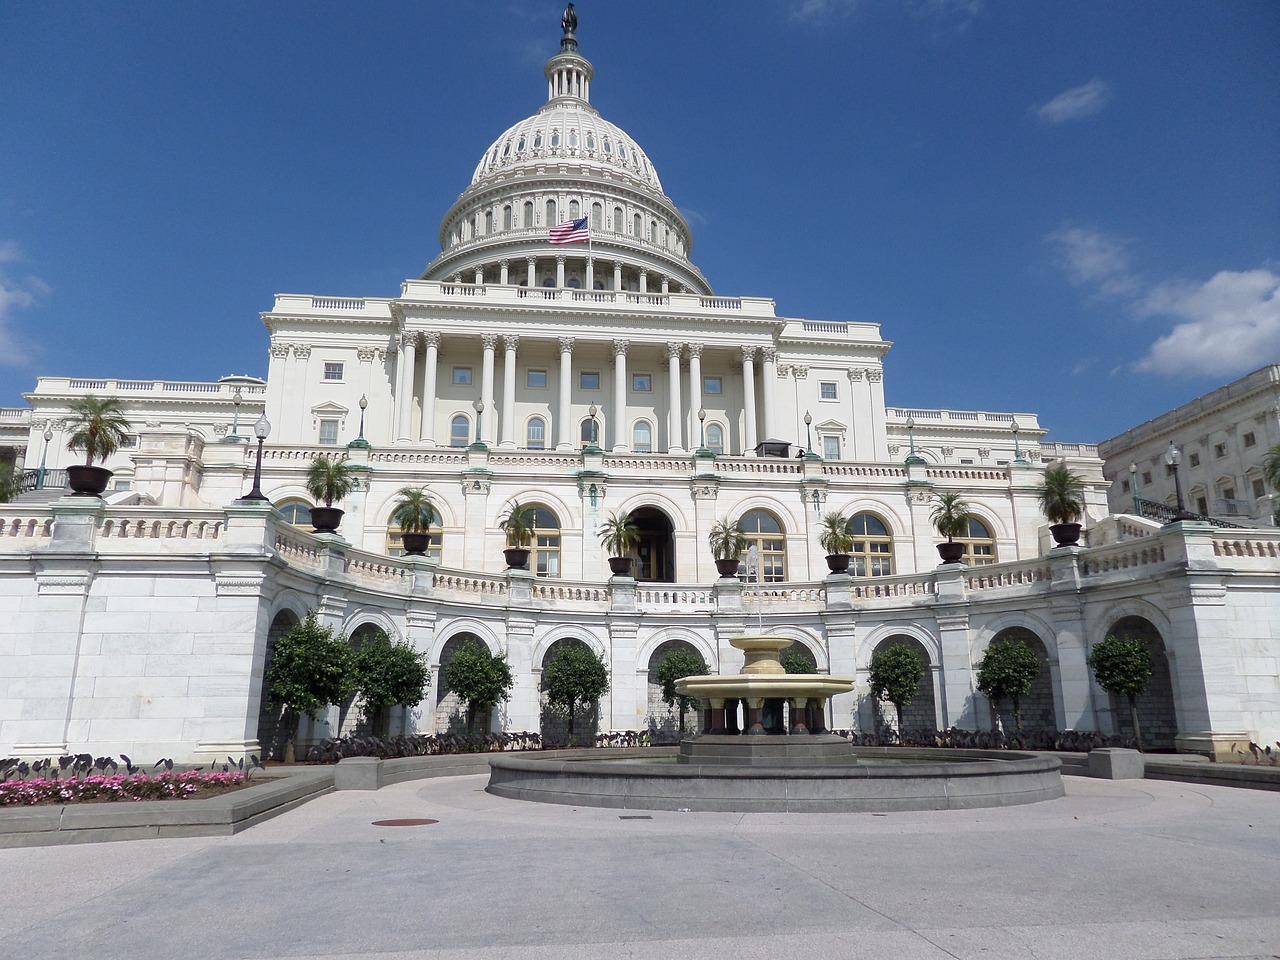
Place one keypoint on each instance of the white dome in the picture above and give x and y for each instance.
(568, 129)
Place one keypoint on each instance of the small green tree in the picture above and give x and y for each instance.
(576, 674)
(1271, 467)
(385, 673)
(895, 676)
(479, 678)
(309, 669)
(97, 426)
(675, 666)
(1122, 665)
(8, 482)
(1007, 670)
(797, 659)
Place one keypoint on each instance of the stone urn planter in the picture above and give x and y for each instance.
(728, 567)
(1065, 534)
(620, 566)
(326, 519)
(951, 552)
(517, 557)
(86, 481)
(838, 562)
(415, 544)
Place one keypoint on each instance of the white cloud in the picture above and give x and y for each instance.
(1231, 325)
(15, 294)
(820, 9)
(1076, 103)
(1093, 258)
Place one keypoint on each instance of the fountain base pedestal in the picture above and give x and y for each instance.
(815, 750)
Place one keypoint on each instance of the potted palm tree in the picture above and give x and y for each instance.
(518, 524)
(98, 427)
(835, 538)
(950, 518)
(619, 535)
(728, 543)
(328, 479)
(414, 513)
(1062, 501)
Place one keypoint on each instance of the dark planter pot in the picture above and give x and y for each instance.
(86, 481)
(326, 519)
(838, 562)
(415, 544)
(951, 552)
(620, 566)
(517, 557)
(1065, 534)
(728, 567)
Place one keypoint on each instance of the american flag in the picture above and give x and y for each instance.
(571, 231)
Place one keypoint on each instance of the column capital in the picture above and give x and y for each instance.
(432, 338)
(854, 373)
(748, 355)
(566, 344)
(695, 350)
(560, 259)
(504, 262)
(769, 354)
(279, 350)
(511, 341)
(489, 341)
(302, 350)
(364, 354)
(674, 349)
(875, 375)
(620, 348)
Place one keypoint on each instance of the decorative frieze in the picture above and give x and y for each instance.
(62, 584)
(239, 586)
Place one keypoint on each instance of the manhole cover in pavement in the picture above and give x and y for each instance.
(409, 822)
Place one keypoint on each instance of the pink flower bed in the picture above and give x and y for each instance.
(102, 788)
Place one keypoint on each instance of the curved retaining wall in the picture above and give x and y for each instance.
(951, 780)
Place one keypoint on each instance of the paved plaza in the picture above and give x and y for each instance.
(1129, 869)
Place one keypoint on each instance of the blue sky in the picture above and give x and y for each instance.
(1070, 208)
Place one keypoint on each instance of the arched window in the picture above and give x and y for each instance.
(506, 217)
(872, 553)
(555, 138)
(536, 434)
(573, 138)
(528, 214)
(597, 217)
(591, 141)
(715, 438)
(764, 532)
(642, 437)
(573, 209)
(617, 220)
(297, 512)
(636, 229)
(546, 543)
(551, 213)
(979, 545)
(459, 431)
(589, 432)
(488, 222)
(653, 231)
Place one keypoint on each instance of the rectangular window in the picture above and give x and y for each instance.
(642, 383)
(129, 441)
(1124, 486)
(1195, 460)
(1219, 450)
(537, 379)
(332, 370)
(589, 380)
(713, 386)
(966, 462)
(827, 390)
(462, 376)
(830, 448)
(1259, 488)
(1250, 440)
(1228, 493)
(1202, 506)
(1146, 479)
(328, 431)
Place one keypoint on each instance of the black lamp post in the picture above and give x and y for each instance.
(48, 435)
(360, 441)
(478, 406)
(260, 430)
(911, 438)
(1133, 485)
(1173, 457)
(808, 433)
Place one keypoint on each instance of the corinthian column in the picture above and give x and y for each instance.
(769, 373)
(621, 442)
(675, 438)
(564, 429)
(749, 397)
(427, 432)
(490, 343)
(405, 368)
(510, 343)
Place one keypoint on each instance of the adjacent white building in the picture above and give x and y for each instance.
(584, 379)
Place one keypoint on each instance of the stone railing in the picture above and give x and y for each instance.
(559, 461)
(143, 525)
(1247, 544)
(298, 548)
(892, 588)
(773, 594)
(475, 587)
(560, 592)
(1127, 555)
(866, 471)
(1016, 574)
(115, 387)
(660, 596)
(970, 474)
(758, 465)
(455, 456)
(377, 569)
(17, 525)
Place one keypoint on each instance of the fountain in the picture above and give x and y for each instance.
(767, 767)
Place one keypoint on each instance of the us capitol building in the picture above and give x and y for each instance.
(585, 378)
